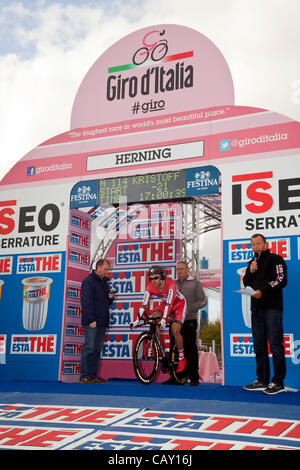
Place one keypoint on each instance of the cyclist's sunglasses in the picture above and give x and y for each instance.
(154, 278)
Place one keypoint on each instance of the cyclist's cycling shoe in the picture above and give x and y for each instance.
(164, 364)
(181, 365)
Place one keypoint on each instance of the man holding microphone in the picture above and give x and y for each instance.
(267, 275)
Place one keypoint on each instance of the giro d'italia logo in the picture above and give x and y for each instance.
(164, 72)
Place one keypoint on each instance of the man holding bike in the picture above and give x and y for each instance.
(174, 304)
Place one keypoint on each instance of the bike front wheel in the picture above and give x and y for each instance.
(145, 358)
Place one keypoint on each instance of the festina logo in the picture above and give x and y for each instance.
(84, 194)
(202, 180)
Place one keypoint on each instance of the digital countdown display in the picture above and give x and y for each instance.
(152, 187)
(147, 188)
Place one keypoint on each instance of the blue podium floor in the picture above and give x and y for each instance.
(123, 415)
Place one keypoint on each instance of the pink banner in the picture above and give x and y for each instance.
(78, 267)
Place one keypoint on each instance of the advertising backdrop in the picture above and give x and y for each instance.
(158, 102)
(32, 273)
(262, 199)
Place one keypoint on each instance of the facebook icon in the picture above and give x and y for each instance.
(30, 170)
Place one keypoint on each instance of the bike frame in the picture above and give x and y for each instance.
(152, 331)
(152, 322)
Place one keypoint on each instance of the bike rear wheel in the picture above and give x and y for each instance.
(145, 358)
(180, 378)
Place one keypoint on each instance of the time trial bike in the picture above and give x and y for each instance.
(149, 353)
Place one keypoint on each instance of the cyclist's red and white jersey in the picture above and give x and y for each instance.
(173, 300)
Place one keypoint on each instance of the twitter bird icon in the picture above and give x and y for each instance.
(224, 145)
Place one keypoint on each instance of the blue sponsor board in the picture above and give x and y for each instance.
(31, 304)
(239, 356)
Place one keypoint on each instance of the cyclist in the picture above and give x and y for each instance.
(173, 303)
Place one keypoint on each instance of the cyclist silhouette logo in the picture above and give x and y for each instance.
(156, 49)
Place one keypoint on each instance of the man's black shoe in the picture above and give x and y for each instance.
(273, 388)
(255, 386)
(194, 382)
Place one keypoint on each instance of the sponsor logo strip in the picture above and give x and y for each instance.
(52, 427)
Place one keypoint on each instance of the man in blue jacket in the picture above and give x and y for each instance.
(95, 301)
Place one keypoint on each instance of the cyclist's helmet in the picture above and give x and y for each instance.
(156, 270)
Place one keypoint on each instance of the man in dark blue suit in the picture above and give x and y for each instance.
(95, 301)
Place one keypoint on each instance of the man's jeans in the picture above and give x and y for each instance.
(91, 351)
(267, 325)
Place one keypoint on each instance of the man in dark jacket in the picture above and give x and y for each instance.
(194, 294)
(95, 301)
(267, 275)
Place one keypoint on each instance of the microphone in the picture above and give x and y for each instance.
(255, 259)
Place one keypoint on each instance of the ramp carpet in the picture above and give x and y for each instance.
(124, 415)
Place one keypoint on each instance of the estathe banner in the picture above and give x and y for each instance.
(130, 260)
(130, 282)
